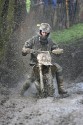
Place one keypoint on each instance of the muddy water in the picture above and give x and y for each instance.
(17, 110)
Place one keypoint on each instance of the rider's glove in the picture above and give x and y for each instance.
(26, 51)
(57, 51)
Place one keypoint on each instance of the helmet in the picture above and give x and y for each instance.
(45, 27)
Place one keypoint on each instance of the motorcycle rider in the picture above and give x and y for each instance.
(42, 42)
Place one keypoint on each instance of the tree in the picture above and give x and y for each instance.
(11, 13)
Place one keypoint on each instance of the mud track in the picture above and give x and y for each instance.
(17, 110)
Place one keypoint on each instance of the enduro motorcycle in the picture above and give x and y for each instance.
(46, 84)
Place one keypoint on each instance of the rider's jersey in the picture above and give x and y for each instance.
(37, 43)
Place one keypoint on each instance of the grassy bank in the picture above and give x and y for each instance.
(68, 35)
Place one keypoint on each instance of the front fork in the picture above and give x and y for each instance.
(41, 78)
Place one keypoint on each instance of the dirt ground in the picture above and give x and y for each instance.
(29, 110)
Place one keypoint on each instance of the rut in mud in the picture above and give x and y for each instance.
(28, 110)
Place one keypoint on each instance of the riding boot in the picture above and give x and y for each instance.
(61, 88)
(25, 87)
(59, 78)
(30, 80)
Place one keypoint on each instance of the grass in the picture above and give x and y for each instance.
(68, 35)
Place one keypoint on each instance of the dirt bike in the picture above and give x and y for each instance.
(45, 84)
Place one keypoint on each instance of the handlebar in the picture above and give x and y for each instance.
(55, 51)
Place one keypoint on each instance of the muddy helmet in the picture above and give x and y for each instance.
(45, 27)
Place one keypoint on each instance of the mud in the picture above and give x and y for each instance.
(29, 110)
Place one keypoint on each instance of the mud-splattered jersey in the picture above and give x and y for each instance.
(37, 44)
